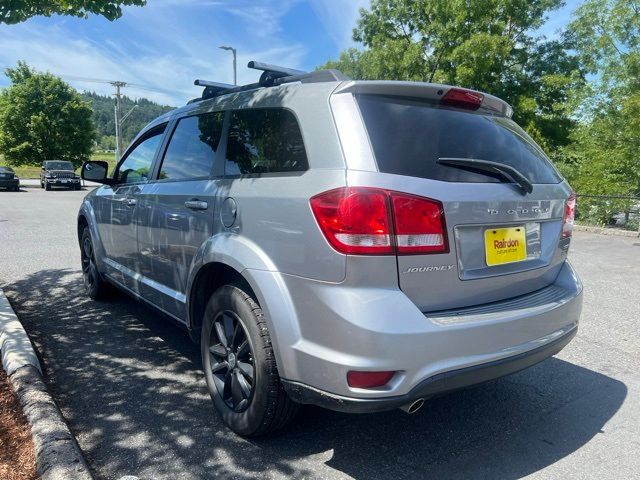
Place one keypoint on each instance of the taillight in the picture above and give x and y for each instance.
(419, 225)
(355, 220)
(459, 97)
(569, 216)
(373, 221)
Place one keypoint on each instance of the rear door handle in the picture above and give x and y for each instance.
(196, 204)
(131, 202)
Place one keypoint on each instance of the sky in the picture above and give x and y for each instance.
(163, 47)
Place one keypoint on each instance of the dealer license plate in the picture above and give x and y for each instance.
(505, 245)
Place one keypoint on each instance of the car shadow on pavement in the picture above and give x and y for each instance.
(129, 383)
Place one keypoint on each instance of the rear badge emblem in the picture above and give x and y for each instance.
(519, 211)
(437, 268)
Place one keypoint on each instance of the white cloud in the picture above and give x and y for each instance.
(169, 51)
(339, 17)
(262, 19)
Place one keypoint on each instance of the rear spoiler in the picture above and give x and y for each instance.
(429, 91)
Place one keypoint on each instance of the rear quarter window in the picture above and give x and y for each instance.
(264, 140)
(409, 135)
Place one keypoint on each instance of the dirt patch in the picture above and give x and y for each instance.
(17, 457)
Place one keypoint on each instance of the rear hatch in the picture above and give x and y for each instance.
(503, 225)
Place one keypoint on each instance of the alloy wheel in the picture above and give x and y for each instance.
(88, 266)
(232, 362)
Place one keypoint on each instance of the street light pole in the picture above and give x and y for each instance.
(126, 115)
(233, 50)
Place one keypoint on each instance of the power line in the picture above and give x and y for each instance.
(134, 86)
(118, 85)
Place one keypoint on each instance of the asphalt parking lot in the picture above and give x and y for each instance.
(129, 382)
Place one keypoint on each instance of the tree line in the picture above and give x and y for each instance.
(43, 118)
(104, 118)
(577, 93)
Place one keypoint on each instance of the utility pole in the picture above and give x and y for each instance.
(118, 117)
(232, 50)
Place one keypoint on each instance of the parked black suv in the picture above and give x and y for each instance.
(58, 173)
(9, 179)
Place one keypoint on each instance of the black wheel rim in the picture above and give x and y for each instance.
(88, 268)
(231, 361)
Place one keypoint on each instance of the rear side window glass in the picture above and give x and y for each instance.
(408, 136)
(136, 166)
(264, 141)
(192, 148)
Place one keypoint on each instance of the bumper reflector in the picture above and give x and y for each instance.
(368, 379)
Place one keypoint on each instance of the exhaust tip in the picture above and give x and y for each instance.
(413, 407)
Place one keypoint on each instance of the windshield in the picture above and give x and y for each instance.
(409, 135)
(59, 165)
(6, 170)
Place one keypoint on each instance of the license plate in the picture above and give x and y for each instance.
(505, 245)
(64, 180)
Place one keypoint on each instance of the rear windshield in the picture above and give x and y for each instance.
(409, 135)
(6, 170)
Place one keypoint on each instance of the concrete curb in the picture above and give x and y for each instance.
(35, 183)
(37, 187)
(58, 456)
(606, 231)
(15, 347)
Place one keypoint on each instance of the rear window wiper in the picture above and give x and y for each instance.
(505, 171)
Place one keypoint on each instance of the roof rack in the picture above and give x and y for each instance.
(272, 75)
(211, 89)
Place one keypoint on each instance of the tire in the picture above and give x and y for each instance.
(241, 371)
(16, 189)
(47, 187)
(95, 287)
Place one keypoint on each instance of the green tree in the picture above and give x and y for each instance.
(606, 34)
(483, 45)
(16, 11)
(42, 118)
(604, 156)
(108, 142)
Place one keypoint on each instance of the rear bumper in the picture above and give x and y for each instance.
(330, 329)
(433, 386)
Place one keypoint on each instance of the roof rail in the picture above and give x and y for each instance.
(272, 75)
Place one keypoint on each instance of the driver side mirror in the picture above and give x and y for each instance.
(96, 171)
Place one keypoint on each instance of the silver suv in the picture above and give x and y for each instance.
(358, 245)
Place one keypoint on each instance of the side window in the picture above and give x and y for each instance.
(192, 148)
(263, 141)
(136, 166)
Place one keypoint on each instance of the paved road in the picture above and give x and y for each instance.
(130, 386)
